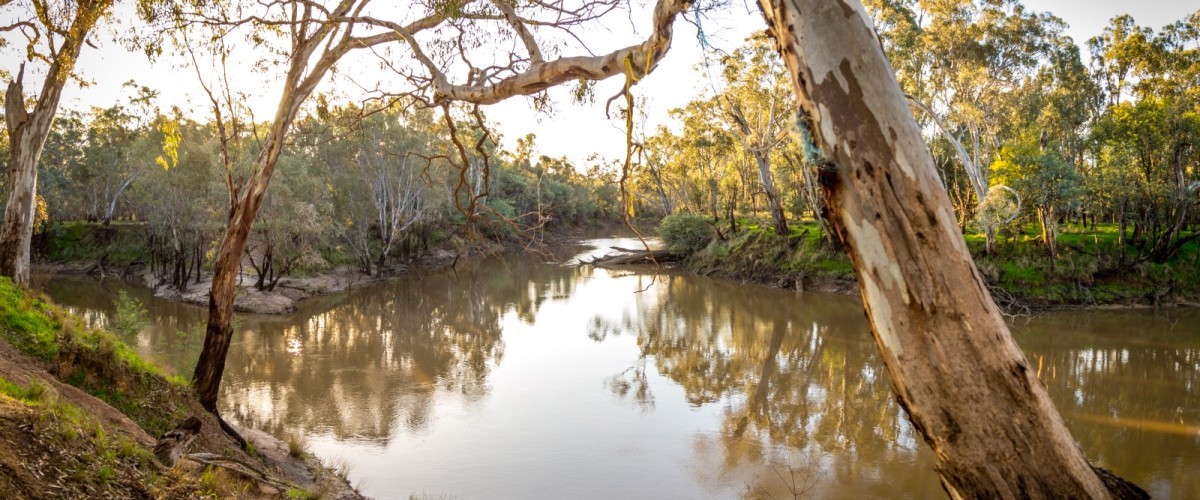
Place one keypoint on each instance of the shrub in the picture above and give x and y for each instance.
(685, 233)
(131, 317)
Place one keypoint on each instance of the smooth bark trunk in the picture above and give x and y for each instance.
(303, 75)
(27, 132)
(768, 182)
(16, 231)
(955, 367)
(219, 333)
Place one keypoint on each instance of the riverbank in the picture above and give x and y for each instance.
(288, 292)
(79, 411)
(1021, 276)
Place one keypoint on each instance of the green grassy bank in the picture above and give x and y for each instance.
(80, 412)
(1088, 270)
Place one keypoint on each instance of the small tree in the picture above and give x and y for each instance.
(1048, 183)
(685, 233)
(130, 316)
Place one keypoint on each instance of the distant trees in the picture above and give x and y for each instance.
(1147, 130)
(382, 178)
(1021, 127)
(758, 104)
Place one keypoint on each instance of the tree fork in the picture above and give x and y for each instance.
(956, 369)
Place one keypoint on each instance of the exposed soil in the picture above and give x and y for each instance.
(36, 461)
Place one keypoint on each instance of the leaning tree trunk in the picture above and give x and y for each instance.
(959, 374)
(773, 203)
(219, 333)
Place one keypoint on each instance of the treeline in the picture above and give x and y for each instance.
(372, 187)
(1025, 129)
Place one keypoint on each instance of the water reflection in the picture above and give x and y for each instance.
(805, 406)
(520, 378)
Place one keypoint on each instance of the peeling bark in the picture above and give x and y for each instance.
(639, 59)
(955, 367)
(27, 132)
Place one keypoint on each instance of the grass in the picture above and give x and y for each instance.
(94, 460)
(114, 372)
(756, 253)
(1087, 270)
(97, 455)
(296, 445)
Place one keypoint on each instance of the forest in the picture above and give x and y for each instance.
(957, 164)
(1031, 138)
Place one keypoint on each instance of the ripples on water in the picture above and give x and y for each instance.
(515, 377)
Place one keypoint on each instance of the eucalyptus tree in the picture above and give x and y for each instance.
(706, 156)
(182, 205)
(955, 367)
(1117, 53)
(53, 33)
(1049, 183)
(1175, 78)
(123, 143)
(311, 37)
(62, 153)
(293, 225)
(1151, 123)
(974, 56)
(760, 109)
(382, 176)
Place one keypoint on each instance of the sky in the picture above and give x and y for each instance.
(574, 130)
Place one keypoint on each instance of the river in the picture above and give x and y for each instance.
(525, 377)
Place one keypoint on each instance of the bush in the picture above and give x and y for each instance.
(685, 234)
(131, 317)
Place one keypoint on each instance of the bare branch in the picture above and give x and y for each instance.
(642, 58)
(535, 54)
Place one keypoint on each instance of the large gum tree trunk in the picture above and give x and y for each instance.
(27, 132)
(960, 376)
(16, 230)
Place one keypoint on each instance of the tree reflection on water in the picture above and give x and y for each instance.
(799, 401)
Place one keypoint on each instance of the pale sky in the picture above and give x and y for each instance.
(573, 130)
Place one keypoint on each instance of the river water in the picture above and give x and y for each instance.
(525, 377)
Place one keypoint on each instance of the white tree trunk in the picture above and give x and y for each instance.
(965, 384)
(27, 132)
(16, 230)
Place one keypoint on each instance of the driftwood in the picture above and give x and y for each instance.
(240, 468)
(172, 445)
(626, 257)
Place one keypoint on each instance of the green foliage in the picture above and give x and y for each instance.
(685, 233)
(93, 360)
(32, 393)
(757, 254)
(130, 317)
(26, 322)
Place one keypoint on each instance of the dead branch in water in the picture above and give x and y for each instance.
(626, 256)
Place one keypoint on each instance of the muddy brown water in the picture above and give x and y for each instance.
(522, 377)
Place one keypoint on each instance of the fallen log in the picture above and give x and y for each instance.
(633, 257)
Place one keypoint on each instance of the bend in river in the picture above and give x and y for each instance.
(528, 377)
